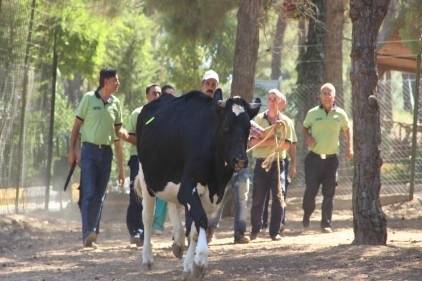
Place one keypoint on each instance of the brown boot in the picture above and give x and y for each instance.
(240, 238)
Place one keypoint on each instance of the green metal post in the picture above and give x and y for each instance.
(415, 122)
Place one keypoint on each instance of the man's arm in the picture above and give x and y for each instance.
(73, 154)
(349, 142)
(292, 153)
(119, 155)
(121, 132)
(268, 142)
(129, 138)
(310, 142)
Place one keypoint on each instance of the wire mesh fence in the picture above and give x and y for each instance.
(36, 119)
(395, 97)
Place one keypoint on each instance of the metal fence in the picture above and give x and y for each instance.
(36, 119)
(396, 113)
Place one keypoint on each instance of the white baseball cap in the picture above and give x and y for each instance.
(210, 74)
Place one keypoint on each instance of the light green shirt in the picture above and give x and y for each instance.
(265, 151)
(99, 118)
(325, 128)
(131, 128)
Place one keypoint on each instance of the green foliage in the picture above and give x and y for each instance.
(185, 61)
(129, 48)
(13, 35)
(395, 172)
(411, 31)
(194, 19)
(197, 35)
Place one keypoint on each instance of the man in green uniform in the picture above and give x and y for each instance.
(321, 132)
(134, 220)
(268, 181)
(100, 114)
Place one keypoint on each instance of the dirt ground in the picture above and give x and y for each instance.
(48, 246)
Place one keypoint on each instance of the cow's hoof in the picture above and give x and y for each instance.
(186, 276)
(148, 264)
(198, 272)
(178, 250)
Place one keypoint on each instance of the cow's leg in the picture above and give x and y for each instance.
(174, 212)
(190, 199)
(148, 203)
(190, 254)
(196, 260)
(201, 256)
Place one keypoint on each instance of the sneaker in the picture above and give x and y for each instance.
(210, 234)
(282, 228)
(253, 236)
(276, 237)
(90, 240)
(327, 230)
(137, 239)
(241, 239)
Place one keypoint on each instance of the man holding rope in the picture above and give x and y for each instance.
(269, 150)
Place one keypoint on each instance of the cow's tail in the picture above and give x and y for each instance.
(137, 187)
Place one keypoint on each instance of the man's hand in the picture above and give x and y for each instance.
(123, 134)
(121, 179)
(256, 130)
(292, 171)
(310, 142)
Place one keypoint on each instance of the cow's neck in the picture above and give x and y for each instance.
(222, 174)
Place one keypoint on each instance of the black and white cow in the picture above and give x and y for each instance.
(188, 148)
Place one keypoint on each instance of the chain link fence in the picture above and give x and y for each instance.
(395, 97)
(32, 138)
(36, 119)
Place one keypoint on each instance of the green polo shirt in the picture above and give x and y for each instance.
(131, 128)
(264, 151)
(325, 128)
(99, 118)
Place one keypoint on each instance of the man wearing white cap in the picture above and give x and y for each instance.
(239, 183)
(209, 83)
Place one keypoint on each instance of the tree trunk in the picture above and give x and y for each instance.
(333, 60)
(246, 49)
(245, 57)
(369, 222)
(277, 47)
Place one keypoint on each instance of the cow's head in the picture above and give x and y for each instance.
(233, 128)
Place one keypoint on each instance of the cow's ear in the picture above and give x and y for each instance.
(254, 108)
(218, 95)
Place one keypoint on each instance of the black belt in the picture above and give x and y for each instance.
(100, 146)
(324, 156)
